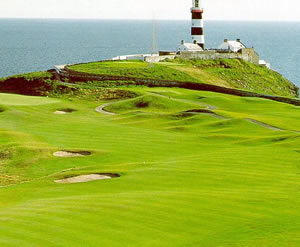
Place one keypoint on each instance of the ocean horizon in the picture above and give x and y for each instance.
(28, 45)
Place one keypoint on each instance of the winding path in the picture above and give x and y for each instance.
(265, 125)
(101, 108)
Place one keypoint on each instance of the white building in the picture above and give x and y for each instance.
(134, 57)
(189, 47)
(263, 63)
(232, 45)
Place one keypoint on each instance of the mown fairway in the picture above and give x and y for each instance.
(226, 173)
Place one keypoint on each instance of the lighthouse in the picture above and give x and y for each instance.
(197, 23)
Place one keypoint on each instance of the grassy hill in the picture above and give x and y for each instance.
(196, 169)
(191, 168)
(232, 73)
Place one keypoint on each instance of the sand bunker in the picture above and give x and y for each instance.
(71, 154)
(64, 111)
(61, 112)
(86, 178)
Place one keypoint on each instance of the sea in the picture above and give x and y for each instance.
(28, 45)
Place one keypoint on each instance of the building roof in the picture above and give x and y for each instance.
(262, 62)
(236, 44)
(191, 47)
(233, 45)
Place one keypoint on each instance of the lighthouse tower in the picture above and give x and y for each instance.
(197, 23)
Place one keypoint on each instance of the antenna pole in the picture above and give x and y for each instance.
(154, 40)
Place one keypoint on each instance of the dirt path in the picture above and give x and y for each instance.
(262, 124)
(271, 127)
(101, 108)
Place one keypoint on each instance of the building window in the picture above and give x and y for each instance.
(197, 3)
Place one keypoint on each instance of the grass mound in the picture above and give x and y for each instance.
(149, 103)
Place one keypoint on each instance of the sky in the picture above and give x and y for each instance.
(274, 10)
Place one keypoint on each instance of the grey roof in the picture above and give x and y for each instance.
(192, 47)
(237, 44)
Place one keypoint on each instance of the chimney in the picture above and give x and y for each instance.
(182, 42)
(225, 40)
(238, 40)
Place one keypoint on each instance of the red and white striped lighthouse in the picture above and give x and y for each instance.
(197, 23)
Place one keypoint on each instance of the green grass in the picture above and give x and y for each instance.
(151, 103)
(30, 76)
(186, 179)
(16, 100)
(231, 73)
(241, 74)
(42, 84)
(133, 68)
